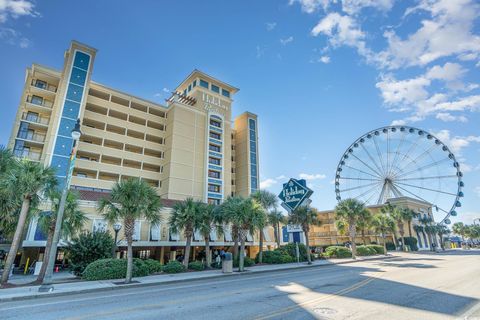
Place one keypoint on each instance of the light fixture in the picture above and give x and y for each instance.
(76, 133)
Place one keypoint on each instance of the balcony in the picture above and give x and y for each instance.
(33, 118)
(27, 154)
(33, 137)
(40, 102)
(43, 85)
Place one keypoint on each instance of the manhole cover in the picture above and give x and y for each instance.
(324, 311)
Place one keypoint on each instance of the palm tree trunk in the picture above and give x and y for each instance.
(307, 243)
(17, 239)
(363, 238)
(409, 228)
(278, 234)
(235, 244)
(208, 254)
(260, 247)
(429, 240)
(186, 256)
(352, 240)
(241, 259)
(48, 247)
(129, 229)
(384, 244)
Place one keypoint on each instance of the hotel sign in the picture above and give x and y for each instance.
(294, 193)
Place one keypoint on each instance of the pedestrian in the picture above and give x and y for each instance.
(218, 261)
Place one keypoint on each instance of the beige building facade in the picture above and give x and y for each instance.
(188, 147)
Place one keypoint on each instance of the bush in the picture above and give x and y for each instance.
(104, 269)
(196, 265)
(378, 249)
(391, 246)
(290, 250)
(412, 242)
(173, 267)
(247, 262)
(87, 248)
(276, 257)
(365, 251)
(337, 252)
(153, 266)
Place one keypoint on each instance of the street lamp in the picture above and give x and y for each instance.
(47, 285)
(116, 227)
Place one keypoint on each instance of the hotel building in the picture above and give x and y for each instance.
(187, 147)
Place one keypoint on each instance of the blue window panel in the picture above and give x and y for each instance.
(226, 93)
(60, 164)
(252, 135)
(78, 76)
(203, 83)
(63, 146)
(214, 195)
(253, 158)
(253, 170)
(214, 167)
(251, 124)
(253, 146)
(22, 130)
(39, 234)
(81, 60)
(74, 92)
(213, 116)
(66, 127)
(215, 88)
(71, 109)
(210, 180)
(215, 141)
(218, 130)
(215, 154)
(254, 184)
(284, 234)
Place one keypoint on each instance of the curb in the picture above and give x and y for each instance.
(151, 284)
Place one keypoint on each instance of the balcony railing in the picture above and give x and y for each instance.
(31, 155)
(35, 118)
(44, 86)
(40, 102)
(32, 136)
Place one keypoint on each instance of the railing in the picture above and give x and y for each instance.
(31, 155)
(44, 86)
(42, 103)
(32, 137)
(35, 118)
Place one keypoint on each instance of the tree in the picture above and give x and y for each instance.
(226, 216)
(383, 224)
(394, 212)
(29, 179)
(184, 217)
(408, 215)
(10, 202)
(305, 216)
(131, 199)
(441, 231)
(351, 211)
(267, 200)
(364, 224)
(399, 215)
(459, 228)
(247, 216)
(275, 218)
(208, 219)
(73, 221)
(428, 229)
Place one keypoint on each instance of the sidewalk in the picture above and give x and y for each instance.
(31, 292)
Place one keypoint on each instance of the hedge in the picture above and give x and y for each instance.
(104, 269)
(173, 267)
(391, 246)
(247, 262)
(290, 249)
(365, 251)
(378, 249)
(276, 257)
(153, 266)
(412, 242)
(337, 252)
(196, 265)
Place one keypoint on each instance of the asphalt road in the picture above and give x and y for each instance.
(413, 286)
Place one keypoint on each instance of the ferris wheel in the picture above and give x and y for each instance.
(401, 161)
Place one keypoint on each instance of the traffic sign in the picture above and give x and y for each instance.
(294, 193)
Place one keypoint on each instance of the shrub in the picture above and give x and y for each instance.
(104, 269)
(173, 267)
(412, 242)
(87, 248)
(247, 262)
(276, 257)
(391, 246)
(290, 250)
(365, 251)
(378, 249)
(153, 266)
(196, 265)
(337, 252)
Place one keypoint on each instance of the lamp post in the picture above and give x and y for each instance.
(116, 227)
(47, 285)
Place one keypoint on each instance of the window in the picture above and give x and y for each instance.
(215, 88)
(215, 135)
(215, 123)
(215, 148)
(214, 174)
(214, 188)
(214, 161)
(185, 92)
(189, 87)
(81, 175)
(194, 84)
(203, 83)
(37, 100)
(32, 116)
(40, 84)
(226, 93)
(213, 201)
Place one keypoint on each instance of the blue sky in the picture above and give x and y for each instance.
(319, 73)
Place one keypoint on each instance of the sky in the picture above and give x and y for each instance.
(319, 73)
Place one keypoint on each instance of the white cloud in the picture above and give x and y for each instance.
(351, 7)
(16, 8)
(260, 51)
(270, 25)
(449, 72)
(447, 117)
(281, 177)
(397, 92)
(324, 59)
(477, 191)
(310, 6)
(457, 143)
(286, 41)
(267, 183)
(14, 38)
(307, 176)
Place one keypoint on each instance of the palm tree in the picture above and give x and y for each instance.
(383, 224)
(131, 199)
(394, 212)
(427, 228)
(73, 221)
(184, 217)
(226, 215)
(208, 218)
(351, 211)
(441, 231)
(305, 216)
(275, 218)
(363, 225)
(419, 230)
(10, 202)
(247, 216)
(408, 216)
(400, 215)
(28, 180)
(459, 228)
(267, 200)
